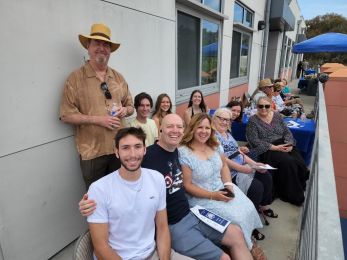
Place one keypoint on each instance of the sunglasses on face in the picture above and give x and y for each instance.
(107, 93)
(264, 106)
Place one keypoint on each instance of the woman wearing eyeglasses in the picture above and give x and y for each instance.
(257, 185)
(271, 140)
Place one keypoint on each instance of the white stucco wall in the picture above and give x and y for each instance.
(40, 181)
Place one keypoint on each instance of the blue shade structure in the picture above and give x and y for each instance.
(327, 42)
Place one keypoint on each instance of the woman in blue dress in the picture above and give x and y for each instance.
(205, 173)
(256, 184)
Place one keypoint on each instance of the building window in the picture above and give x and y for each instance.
(243, 15)
(197, 55)
(209, 52)
(188, 40)
(241, 42)
(214, 4)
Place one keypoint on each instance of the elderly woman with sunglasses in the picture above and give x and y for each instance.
(271, 140)
(257, 185)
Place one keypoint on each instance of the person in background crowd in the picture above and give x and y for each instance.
(162, 108)
(305, 66)
(196, 105)
(264, 89)
(95, 100)
(236, 109)
(143, 104)
(288, 98)
(299, 69)
(286, 89)
(273, 143)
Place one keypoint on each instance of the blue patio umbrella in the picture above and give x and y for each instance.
(327, 42)
(211, 49)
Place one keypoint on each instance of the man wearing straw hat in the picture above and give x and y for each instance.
(95, 100)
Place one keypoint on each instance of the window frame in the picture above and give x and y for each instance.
(243, 79)
(242, 28)
(245, 8)
(183, 95)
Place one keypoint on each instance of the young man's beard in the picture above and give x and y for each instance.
(128, 169)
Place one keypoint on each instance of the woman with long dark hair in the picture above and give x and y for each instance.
(196, 105)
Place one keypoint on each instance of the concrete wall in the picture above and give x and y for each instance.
(335, 92)
(40, 180)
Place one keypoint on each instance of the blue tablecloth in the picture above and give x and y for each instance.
(302, 83)
(304, 135)
(310, 71)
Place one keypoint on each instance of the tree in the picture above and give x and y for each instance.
(322, 24)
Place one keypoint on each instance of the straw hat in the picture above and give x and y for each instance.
(265, 83)
(101, 32)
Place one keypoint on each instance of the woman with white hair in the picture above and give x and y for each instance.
(256, 184)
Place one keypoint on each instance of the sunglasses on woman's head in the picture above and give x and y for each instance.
(107, 93)
(264, 106)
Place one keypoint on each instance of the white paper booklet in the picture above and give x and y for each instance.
(210, 218)
(263, 167)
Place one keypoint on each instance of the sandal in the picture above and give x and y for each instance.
(257, 235)
(270, 213)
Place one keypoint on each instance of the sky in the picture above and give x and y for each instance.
(312, 8)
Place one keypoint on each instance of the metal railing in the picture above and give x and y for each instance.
(320, 229)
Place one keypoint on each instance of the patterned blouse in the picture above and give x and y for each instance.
(231, 150)
(261, 135)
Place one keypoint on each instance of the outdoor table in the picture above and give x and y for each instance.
(304, 134)
(302, 84)
(310, 71)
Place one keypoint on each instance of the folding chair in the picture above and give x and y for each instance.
(83, 247)
(247, 99)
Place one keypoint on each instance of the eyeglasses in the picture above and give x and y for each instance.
(264, 106)
(107, 93)
(222, 119)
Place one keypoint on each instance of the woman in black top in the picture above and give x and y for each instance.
(196, 105)
(271, 140)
